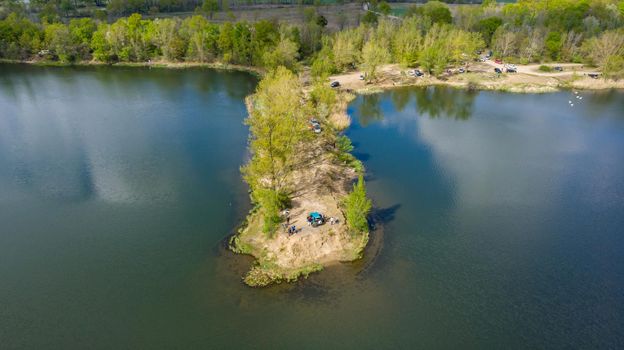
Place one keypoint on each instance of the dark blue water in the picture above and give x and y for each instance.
(505, 215)
(502, 217)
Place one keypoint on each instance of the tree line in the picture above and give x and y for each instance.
(431, 36)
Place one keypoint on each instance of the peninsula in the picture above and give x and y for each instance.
(308, 190)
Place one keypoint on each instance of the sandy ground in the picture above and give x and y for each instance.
(528, 79)
(320, 188)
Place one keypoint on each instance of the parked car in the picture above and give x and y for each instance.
(418, 73)
(362, 77)
(317, 128)
(498, 70)
(593, 75)
(499, 61)
(335, 84)
(558, 68)
(511, 70)
(461, 70)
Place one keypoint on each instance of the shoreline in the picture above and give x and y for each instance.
(391, 76)
(480, 78)
(256, 71)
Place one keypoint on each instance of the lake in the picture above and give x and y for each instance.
(501, 217)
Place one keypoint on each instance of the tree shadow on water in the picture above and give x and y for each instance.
(381, 216)
(362, 156)
(447, 102)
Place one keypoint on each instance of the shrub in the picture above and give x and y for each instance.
(544, 68)
(357, 206)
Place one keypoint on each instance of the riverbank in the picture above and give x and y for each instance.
(481, 76)
(259, 72)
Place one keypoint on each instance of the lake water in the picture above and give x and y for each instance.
(502, 219)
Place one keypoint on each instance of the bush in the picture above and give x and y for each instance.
(272, 203)
(357, 206)
(614, 67)
(544, 68)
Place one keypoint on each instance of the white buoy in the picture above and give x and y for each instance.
(576, 92)
(571, 104)
(569, 101)
(580, 97)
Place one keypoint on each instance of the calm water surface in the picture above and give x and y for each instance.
(502, 219)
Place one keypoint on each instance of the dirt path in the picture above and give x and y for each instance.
(569, 69)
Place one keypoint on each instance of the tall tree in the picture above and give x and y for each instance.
(278, 125)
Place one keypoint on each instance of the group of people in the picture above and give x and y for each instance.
(312, 221)
(292, 230)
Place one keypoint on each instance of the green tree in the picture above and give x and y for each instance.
(165, 37)
(437, 11)
(284, 54)
(370, 18)
(374, 53)
(406, 43)
(323, 97)
(357, 207)
(209, 7)
(278, 125)
(553, 45)
(384, 8)
(100, 45)
(487, 28)
(202, 37)
(435, 56)
(81, 31)
(58, 41)
(346, 48)
(323, 63)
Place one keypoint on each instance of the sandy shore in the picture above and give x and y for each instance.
(481, 76)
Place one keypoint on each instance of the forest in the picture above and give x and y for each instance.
(431, 36)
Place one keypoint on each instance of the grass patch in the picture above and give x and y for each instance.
(264, 274)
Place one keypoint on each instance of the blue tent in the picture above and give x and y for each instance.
(316, 215)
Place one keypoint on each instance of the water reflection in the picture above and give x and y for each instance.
(433, 102)
(525, 191)
(370, 109)
(440, 101)
(81, 132)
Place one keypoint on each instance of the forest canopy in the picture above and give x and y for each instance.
(432, 36)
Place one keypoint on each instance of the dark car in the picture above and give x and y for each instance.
(334, 84)
(593, 75)
(461, 70)
(558, 68)
(511, 70)
(498, 70)
(418, 73)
